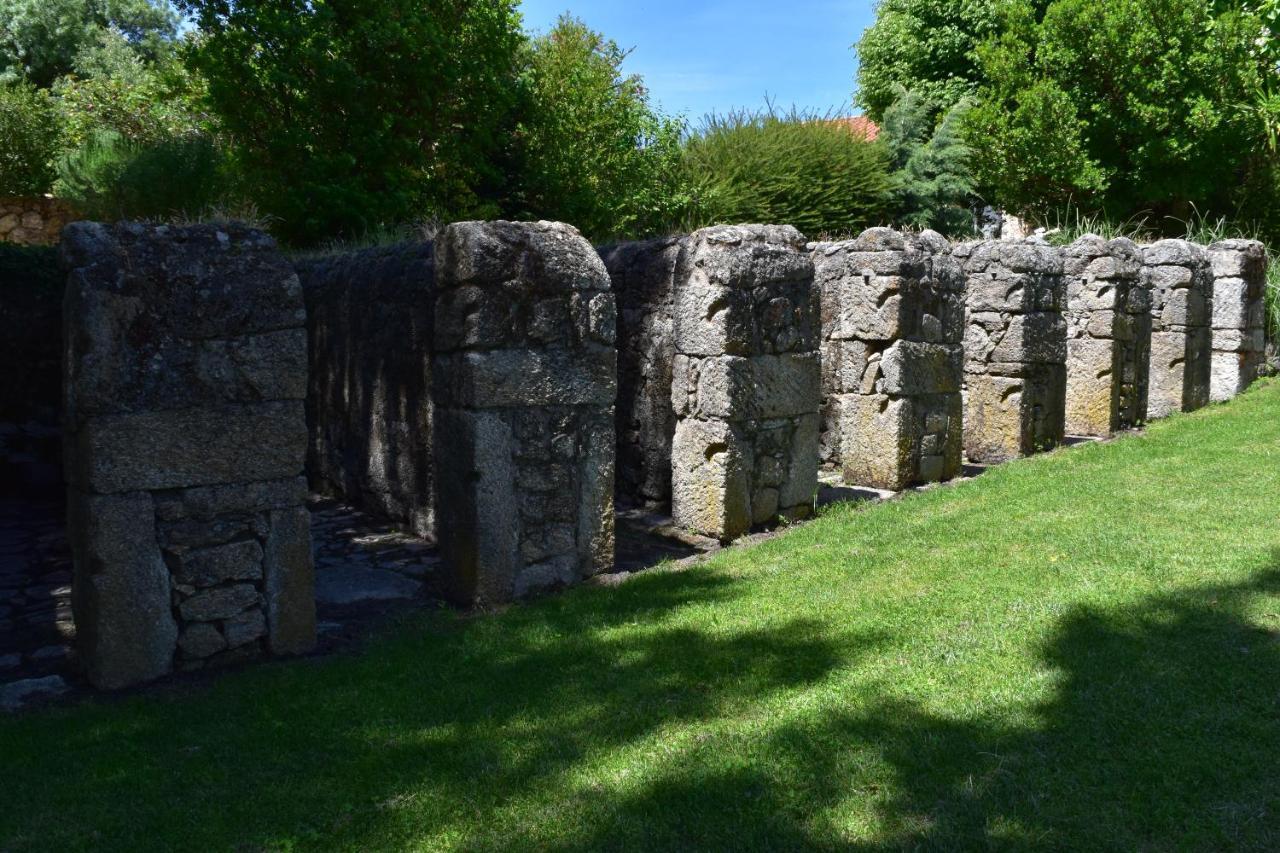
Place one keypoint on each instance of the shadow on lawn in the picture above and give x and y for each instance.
(1164, 734)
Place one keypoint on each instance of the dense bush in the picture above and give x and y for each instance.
(110, 177)
(593, 151)
(352, 115)
(808, 171)
(932, 183)
(30, 136)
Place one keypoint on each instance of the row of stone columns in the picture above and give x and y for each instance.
(747, 358)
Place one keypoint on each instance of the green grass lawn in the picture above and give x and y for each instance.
(1079, 651)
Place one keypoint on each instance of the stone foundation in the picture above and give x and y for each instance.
(524, 380)
(369, 319)
(1181, 282)
(1015, 348)
(1239, 318)
(892, 358)
(185, 442)
(643, 276)
(746, 380)
(1108, 336)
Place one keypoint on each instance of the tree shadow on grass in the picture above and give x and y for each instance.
(1164, 734)
(472, 712)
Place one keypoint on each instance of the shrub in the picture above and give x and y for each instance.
(797, 169)
(30, 135)
(110, 177)
(933, 186)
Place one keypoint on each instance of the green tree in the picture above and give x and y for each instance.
(594, 152)
(41, 40)
(355, 113)
(31, 134)
(932, 184)
(1123, 104)
(792, 169)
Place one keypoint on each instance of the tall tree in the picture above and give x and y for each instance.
(355, 113)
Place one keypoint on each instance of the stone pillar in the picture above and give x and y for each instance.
(892, 358)
(1181, 338)
(524, 381)
(1239, 316)
(1015, 348)
(185, 374)
(1108, 336)
(643, 275)
(747, 380)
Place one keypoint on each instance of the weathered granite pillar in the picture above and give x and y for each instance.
(892, 358)
(370, 325)
(1108, 336)
(1015, 348)
(746, 387)
(185, 373)
(643, 275)
(524, 381)
(1181, 337)
(1239, 318)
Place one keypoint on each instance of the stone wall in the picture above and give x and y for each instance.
(892, 358)
(1108, 336)
(33, 220)
(746, 382)
(524, 379)
(185, 375)
(369, 319)
(1015, 348)
(1181, 282)
(643, 276)
(1239, 319)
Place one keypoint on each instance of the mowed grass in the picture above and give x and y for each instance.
(1079, 651)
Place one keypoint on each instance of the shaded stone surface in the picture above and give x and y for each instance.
(185, 441)
(1015, 348)
(892, 358)
(1238, 318)
(524, 381)
(1108, 336)
(746, 380)
(370, 327)
(1181, 280)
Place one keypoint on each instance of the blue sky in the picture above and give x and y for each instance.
(702, 56)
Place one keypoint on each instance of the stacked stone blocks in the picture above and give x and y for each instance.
(1015, 348)
(746, 380)
(1108, 336)
(524, 381)
(1239, 319)
(185, 375)
(1181, 281)
(892, 358)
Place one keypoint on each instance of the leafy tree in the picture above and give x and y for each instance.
(594, 152)
(41, 40)
(355, 113)
(1135, 103)
(31, 134)
(808, 171)
(932, 181)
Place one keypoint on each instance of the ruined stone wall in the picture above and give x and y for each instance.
(185, 375)
(524, 381)
(643, 276)
(1108, 336)
(892, 358)
(1239, 319)
(1015, 348)
(369, 319)
(746, 382)
(1181, 281)
(33, 220)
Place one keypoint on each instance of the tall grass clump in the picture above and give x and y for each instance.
(794, 168)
